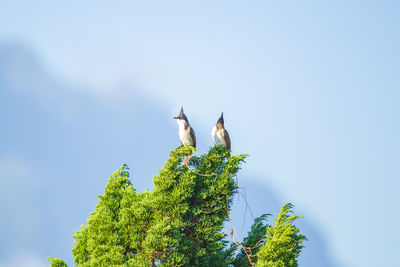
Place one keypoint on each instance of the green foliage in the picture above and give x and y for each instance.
(283, 242)
(56, 262)
(254, 240)
(178, 223)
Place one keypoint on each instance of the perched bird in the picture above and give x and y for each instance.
(186, 133)
(220, 135)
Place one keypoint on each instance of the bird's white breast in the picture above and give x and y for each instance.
(218, 137)
(184, 135)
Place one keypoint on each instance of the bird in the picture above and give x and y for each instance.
(185, 132)
(220, 135)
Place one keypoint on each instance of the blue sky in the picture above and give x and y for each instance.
(310, 90)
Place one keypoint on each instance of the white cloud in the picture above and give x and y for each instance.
(24, 259)
(23, 221)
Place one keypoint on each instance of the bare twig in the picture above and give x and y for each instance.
(235, 240)
(208, 212)
(207, 175)
(244, 196)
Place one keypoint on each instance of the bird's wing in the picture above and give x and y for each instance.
(227, 139)
(193, 137)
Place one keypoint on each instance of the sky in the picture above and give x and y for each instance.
(309, 89)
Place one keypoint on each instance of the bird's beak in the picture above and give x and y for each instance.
(175, 118)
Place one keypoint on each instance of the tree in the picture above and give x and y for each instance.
(283, 242)
(178, 223)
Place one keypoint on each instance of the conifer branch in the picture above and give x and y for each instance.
(180, 221)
